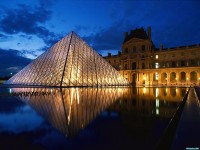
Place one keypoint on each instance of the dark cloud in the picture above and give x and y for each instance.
(27, 19)
(11, 61)
(110, 38)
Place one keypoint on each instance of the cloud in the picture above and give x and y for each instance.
(109, 38)
(11, 61)
(3, 37)
(29, 20)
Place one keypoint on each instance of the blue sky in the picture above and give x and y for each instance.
(29, 27)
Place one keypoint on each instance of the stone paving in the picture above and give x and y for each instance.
(188, 131)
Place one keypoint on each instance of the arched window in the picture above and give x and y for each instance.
(183, 77)
(173, 76)
(164, 77)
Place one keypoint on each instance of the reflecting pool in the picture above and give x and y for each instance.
(85, 118)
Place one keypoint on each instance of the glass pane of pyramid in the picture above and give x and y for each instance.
(69, 62)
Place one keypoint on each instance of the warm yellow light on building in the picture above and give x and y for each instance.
(156, 56)
(144, 90)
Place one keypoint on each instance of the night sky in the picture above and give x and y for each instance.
(29, 27)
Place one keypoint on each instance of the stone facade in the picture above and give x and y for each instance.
(145, 65)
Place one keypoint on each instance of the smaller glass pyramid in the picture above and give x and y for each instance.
(71, 62)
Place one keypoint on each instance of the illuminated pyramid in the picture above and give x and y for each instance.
(69, 62)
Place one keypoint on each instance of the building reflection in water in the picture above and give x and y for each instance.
(71, 109)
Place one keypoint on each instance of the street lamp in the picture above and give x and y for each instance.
(166, 80)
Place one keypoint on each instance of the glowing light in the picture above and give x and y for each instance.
(77, 95)
(144, 90)
(10, 91)
(156, 76)
(156, 65)
(156, 56)
(157, 102)
(157, 111)
(157, 92)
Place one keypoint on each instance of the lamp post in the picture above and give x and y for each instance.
(166, 80)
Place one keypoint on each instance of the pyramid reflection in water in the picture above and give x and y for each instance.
(69, 62)
(70, 109)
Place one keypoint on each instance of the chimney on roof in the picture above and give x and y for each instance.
(109, 54)
(119, 53)
(125, 34)
(149, 32)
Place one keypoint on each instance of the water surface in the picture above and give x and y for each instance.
(85, 118)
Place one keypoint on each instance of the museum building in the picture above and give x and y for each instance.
(145, 65)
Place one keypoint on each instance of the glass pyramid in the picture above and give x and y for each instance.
(70, 62)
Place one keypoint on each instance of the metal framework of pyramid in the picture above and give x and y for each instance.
(70, 62)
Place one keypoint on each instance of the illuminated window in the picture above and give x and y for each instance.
(156, 76)
(156, 65)
(156, 56)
